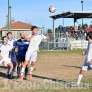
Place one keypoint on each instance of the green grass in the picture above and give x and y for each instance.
(79, 51)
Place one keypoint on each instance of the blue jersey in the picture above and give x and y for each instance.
(22, 47)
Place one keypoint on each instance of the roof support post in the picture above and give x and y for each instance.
(54, 32)
(75, 21)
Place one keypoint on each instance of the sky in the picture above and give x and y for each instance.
(36, 12)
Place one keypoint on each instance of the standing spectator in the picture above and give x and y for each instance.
(90, 28)
(67, 28)
(71, 29)
(63, 29)
(80, 28)
(60, 29)
(85, 28)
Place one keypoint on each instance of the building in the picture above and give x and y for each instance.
(16, 28)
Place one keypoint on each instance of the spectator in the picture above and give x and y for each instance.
(63, 29)
(85, 28)
(90, 28)
(80, 28)
(60, 29)
(71, 29)
(67, 28)
(76, 29)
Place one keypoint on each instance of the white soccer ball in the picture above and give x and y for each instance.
(52, 9)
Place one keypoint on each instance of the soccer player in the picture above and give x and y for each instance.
(31, 53)
(12, 42)
(22, 48)
(5, 54)
(88, 61)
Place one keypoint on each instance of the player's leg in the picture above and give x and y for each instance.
(14, 67)
(32, 63)
(11, 68)
(80, 76)
(7, 61)
(19, 60)
(27, 58)
(31, 69)
(26, 71)
(8, 70)
(23, 68)
(18, 69)
(83, 69)
(14, 61)
(26, 68)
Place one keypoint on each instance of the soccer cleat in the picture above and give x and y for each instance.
(21, 77)
(30, 75)
(25, 77)
(8, 76)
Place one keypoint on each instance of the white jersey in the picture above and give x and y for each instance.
(5, 50)
(88, 53)
(35, 42)
(12, 42)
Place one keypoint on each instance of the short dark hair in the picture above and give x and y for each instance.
(9, 33)
(3, 37)
(32, 28)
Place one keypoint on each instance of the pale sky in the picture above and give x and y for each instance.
(37, 12)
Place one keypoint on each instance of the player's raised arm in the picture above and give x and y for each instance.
(29, 38)
(48, 37)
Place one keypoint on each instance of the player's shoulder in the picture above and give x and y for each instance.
(14, 39)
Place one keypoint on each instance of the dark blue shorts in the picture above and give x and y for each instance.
(21, 58)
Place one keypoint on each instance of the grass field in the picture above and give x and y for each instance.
(53, 72)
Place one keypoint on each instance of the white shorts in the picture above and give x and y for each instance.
(32, 56)
(5, 60)
(86, 66)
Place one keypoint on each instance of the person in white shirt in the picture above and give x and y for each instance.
(88, 61)
(5, 56)
(31, 54)
(12, 42)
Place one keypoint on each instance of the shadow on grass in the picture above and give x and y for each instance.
(3, 67)
(71, 66)
(52, 79)
(4, 75)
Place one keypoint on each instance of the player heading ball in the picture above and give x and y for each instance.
(31, 54)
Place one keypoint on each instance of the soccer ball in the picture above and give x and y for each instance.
(52, 9)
